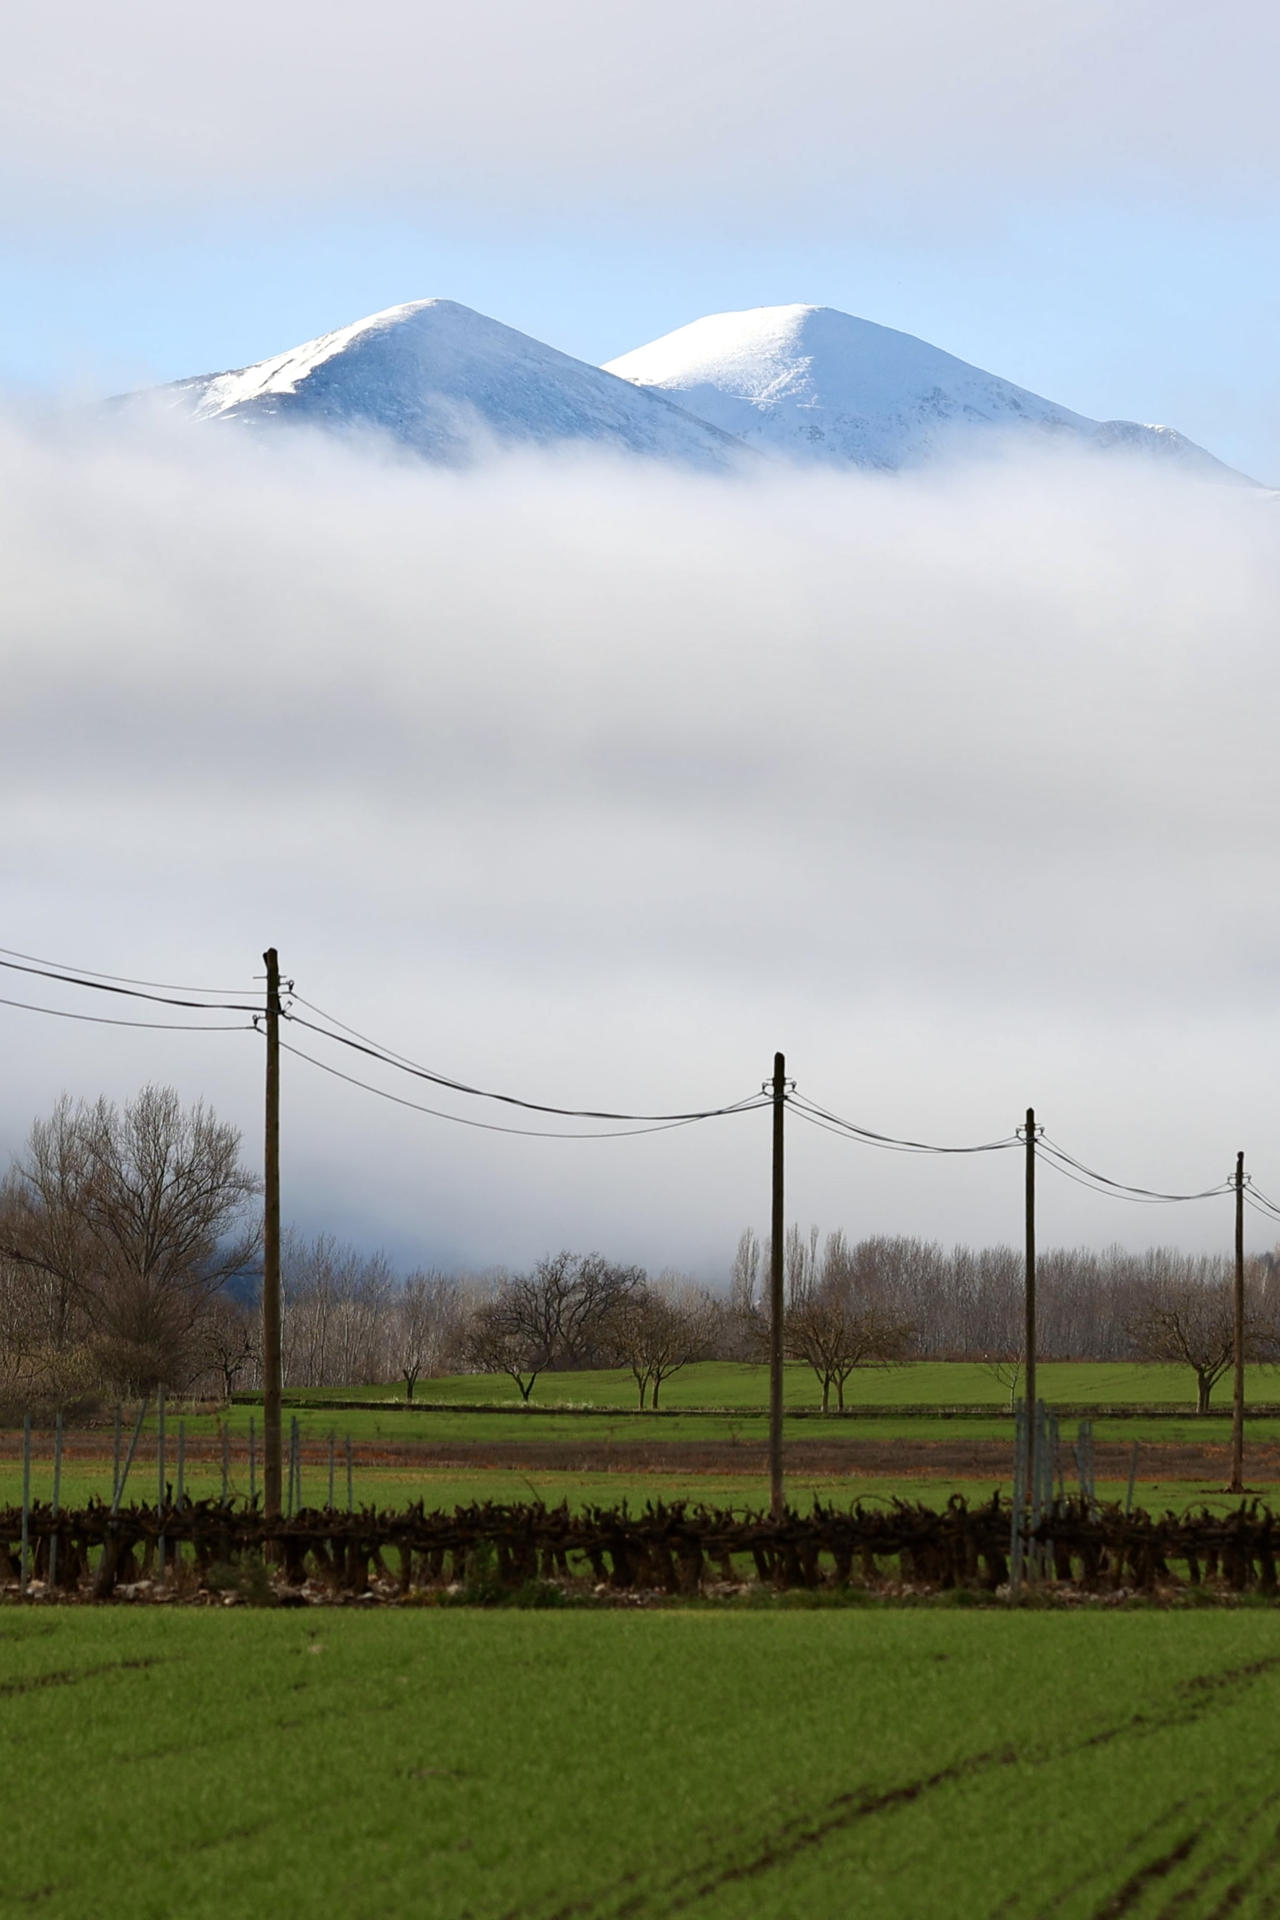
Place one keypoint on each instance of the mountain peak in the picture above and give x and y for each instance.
(817, 384)
(439, 378)
(821, 384)
(810, 383)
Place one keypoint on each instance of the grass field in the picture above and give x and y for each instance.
(754, 1765)
(448, 1487)
(721, 1383)
(446, 1454)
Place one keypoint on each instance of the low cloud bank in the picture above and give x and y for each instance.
(598, 784)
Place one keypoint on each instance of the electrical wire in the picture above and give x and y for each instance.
(1261, 1204)
(104, 1020)
(1050, 1151)
(511, 1099)
(1258, 1194)
(388, 1052)
(489, 1126)
(890, 1141)
(133, 993)
(166, 986)
(1134, 1199)
(839, 1132)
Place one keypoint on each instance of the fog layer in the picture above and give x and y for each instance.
(598, 784)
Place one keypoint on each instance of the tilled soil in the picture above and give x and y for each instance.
(954, 1458)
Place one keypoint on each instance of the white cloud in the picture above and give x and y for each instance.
(599, 784)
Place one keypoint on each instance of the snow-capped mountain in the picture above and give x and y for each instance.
(815, 384)
(797, 383)
(442, 380)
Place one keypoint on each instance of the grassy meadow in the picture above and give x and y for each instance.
(745, 1765)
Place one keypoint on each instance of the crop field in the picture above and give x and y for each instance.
(922, 1431)
(735, 1765)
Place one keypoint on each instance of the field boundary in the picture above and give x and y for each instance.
(896, 1410)
(93, 1553)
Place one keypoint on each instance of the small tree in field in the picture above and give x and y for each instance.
(229, 1339)
(835, 1326)
(499, 1339)
(1186, 1315)
(656, 1330)
(1006, 1370)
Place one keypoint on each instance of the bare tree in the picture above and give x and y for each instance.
(568, 1300)
(229, 1339)
(1006, 1370)
(1186, 1316)
(499, 1338)
(134, 1217)
(740, 1327)
(338, 1305)
(836, 1326)
(555, 1317)
(656, 1330)
(425, 1326)
(800, 1261)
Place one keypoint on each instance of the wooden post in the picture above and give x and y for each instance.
(777, 1499)
(272, 1448)
(1029, 1332)
(1237, 1405)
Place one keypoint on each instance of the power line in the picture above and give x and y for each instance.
(890, 1141)
(388, 1052)
(104, 1020)
(1050, 1150)
(166, 986)
(1114, 1193)
(489, 1126)
(1257, 1194)
(1261, 1204)
(511, 1099)
(132, 993)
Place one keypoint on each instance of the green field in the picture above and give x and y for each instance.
(751, 1765)
(716, 1384)
(448, 1487)
(603, 1451)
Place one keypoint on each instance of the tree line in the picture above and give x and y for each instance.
(130, 1257)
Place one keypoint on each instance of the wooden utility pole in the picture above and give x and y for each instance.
(777, 1236)
(1237, 1407)
(1029, 1332)
(271, 1373)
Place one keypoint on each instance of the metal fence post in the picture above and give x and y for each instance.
(57, 1498)
(24, 1567)
(160, 1484)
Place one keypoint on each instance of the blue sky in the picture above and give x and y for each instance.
(1080, 200)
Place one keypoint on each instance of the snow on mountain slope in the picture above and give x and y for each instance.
(440, 378)
(818, 385)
